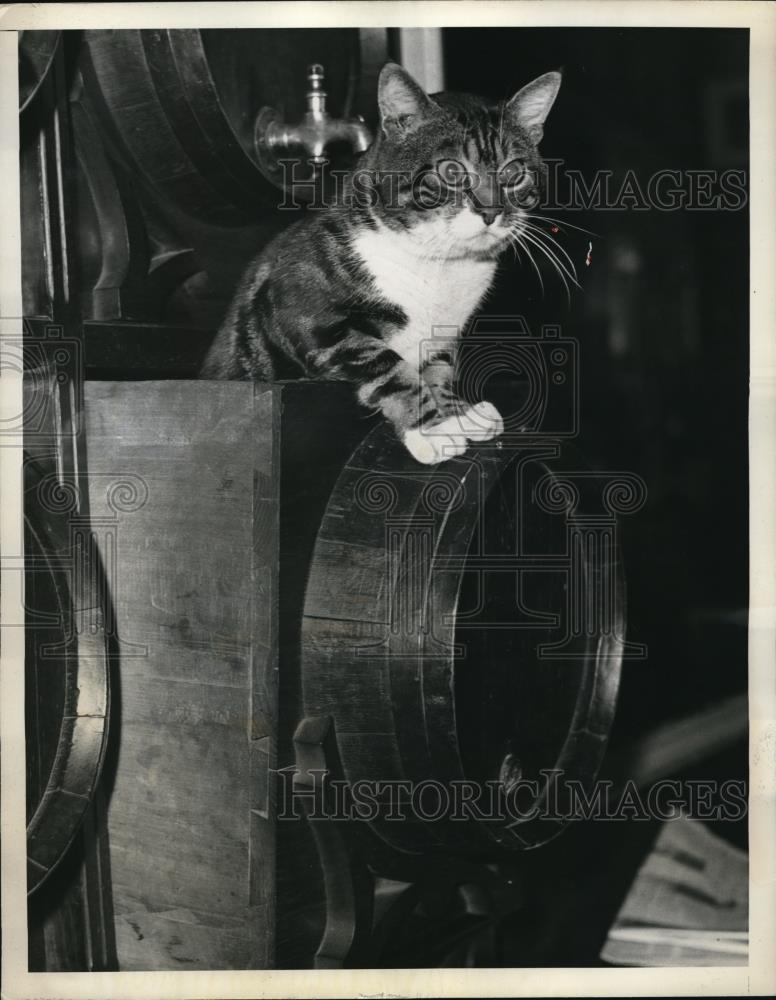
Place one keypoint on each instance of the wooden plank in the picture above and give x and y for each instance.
(262, 836)
(265, 562)
(183, 569)
(354, 689)
(176, 939)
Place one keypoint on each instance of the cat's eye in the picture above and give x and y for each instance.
(453, 173)
(514, 174)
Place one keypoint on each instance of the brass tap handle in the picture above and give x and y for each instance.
(313, 133)
(316, 95)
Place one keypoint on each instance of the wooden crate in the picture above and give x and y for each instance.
(184, 481)
(179, 473)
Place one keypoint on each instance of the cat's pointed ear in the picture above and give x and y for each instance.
(403, 103)
(531, 105)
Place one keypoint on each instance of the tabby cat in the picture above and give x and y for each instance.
(357, 290)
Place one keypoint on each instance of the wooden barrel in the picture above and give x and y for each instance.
(463, 627)
(68, 613)
(67, 688)
(181, 105)
(37, 50)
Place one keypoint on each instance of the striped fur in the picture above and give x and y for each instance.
(376, 293)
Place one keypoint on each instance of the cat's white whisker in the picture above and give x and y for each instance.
(558, 263)
(539, 238)
(555, 243)
(518, 243)
(540, 246)
(562, 224)
(530, 258)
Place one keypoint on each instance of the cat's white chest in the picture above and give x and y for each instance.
(438, 296)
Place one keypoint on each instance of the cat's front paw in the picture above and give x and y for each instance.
(482, 422)
(430, 445)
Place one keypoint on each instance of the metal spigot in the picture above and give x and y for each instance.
(314, 132)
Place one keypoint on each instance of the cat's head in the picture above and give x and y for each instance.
(456, 173)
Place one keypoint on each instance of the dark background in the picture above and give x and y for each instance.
(662, 324)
